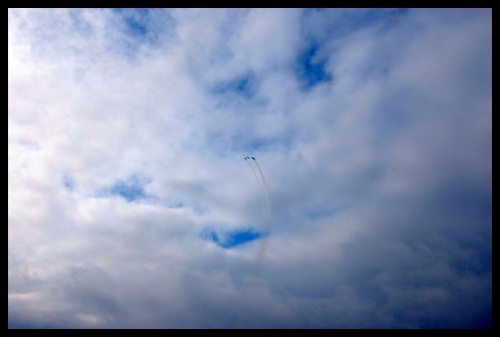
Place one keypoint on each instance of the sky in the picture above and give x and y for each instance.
(130, 204)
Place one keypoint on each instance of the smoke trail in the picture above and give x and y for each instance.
(255, 174)
(231, 314)
(262, 251)
(265, 184)
(266, 198)
(263, 246)
(264, 179)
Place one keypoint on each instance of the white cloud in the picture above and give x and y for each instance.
(380, 178)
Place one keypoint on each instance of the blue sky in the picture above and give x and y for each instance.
(130, 204)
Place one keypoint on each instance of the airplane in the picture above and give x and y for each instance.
(253, 158)
(246, 158)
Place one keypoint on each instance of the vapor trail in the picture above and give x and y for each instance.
(255, 174)
(266, 198)
(265, 184)
(264, 179)
(233, 310)
(263, 247)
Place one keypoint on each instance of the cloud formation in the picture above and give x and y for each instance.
(127, 132)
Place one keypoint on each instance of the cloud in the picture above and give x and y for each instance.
(130, 204)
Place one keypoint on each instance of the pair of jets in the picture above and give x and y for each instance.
(247, 157)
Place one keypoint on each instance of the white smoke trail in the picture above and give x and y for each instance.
(263, 247)
(267, 188)
(255, 174)
(231, 314)
(264, 179)
(266, 198)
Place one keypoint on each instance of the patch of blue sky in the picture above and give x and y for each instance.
(242, 86)
(138, 30)
(310, 68)
(232, 238)
(68, 182)
(311, 71)
(131, 189)
(129, 192)
(135, 20)
(209, 235)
